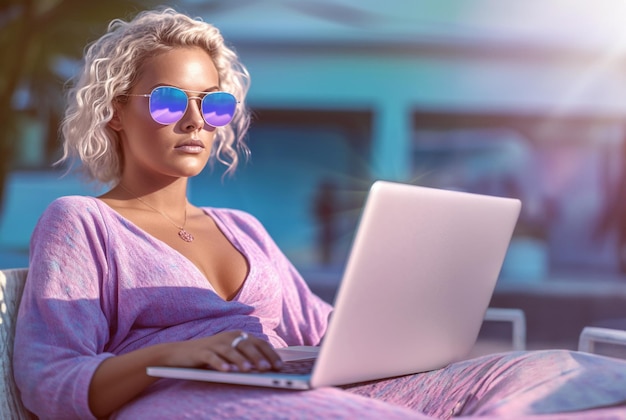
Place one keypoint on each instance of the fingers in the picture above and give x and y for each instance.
(259, 353)
(217, 362)
(240, 352)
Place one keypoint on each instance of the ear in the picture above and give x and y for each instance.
(116, 121)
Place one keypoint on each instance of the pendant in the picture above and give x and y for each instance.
(185, 236)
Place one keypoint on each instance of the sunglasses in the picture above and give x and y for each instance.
(168, 104)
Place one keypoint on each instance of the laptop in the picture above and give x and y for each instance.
(421, 271)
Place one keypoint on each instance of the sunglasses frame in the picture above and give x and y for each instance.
(189, 98)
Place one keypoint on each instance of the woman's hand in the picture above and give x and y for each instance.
(119, 379)
(233, 351)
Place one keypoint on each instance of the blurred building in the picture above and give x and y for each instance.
(485, 96)
(522, 99)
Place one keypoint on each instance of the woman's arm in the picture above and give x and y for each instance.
(69, 314)
(119, 379)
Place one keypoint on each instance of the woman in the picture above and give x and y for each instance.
(140, 277)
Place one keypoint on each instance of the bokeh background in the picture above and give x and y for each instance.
(520, 99)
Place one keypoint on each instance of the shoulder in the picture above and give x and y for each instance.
(70, 220)
(72, 209)
(72, 205)
(238, 218)
(241, 223)
(69, 201)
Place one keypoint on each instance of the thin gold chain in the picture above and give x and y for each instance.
(184, 235)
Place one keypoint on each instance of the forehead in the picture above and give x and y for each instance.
(188, 68)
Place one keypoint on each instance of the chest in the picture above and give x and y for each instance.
(221, 264)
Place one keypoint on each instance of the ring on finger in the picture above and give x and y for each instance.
(241, 337)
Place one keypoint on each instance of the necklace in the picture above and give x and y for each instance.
(182, 233)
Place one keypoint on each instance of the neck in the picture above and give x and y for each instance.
(170, 197)
(182, 232)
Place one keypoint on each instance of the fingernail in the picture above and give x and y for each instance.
(264, 364)
(246, 365)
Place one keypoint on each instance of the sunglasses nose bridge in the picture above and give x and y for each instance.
(198, 101)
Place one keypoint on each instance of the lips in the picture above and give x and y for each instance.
(191, 143)
(190, 146)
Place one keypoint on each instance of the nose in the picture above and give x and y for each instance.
(193, 119)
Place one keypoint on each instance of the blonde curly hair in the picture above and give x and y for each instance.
(110, 69)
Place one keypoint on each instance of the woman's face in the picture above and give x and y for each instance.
(181, 149)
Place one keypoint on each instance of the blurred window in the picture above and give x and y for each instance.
(569, 173)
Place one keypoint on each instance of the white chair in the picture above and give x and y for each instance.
(11, 287)
(600, 340)
(517, 318)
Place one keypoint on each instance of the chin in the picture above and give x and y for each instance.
(191, 172)
(191, 169)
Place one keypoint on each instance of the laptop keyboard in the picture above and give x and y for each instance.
(299, 367)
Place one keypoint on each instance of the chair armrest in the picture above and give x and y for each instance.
(518, 320)
(592, 335)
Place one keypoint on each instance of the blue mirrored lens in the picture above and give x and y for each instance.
(218, 108)
(167, 104)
